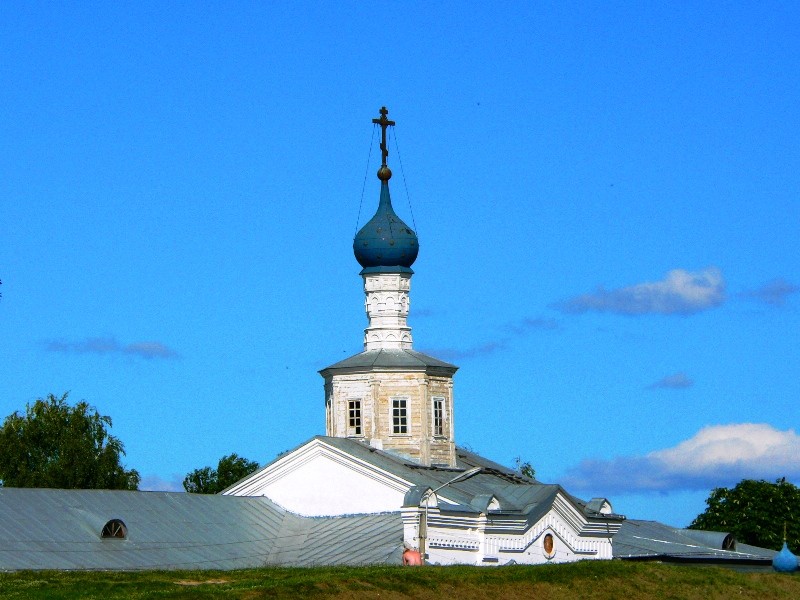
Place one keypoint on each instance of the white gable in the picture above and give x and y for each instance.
(319, 480)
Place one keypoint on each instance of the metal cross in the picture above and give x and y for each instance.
(384, 123)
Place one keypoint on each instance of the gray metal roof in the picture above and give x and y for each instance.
(641, 540)
(61, 529)
(518, 496)
(390, 359)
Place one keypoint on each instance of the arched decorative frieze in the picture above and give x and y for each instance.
(387, 305)
(549, 523)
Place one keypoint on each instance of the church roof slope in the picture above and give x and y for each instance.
(63, 529)
(526, 497)
(650, 540)
(390, 359)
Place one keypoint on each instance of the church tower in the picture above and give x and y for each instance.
(390, 396)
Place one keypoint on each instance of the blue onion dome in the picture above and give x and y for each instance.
(385, 241)
(784, 561)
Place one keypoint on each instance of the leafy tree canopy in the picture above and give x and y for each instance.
(524, 468)
(230, 469)
(56, 445)
(755, 512)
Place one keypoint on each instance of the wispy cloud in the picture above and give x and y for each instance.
(149, 350)
(677, 381)
(155, 483)
(110, 345)
(459, 354)
(718, 455)
(516, 329)
(773, 292)
(531, 324)
(679, 293)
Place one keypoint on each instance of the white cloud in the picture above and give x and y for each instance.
(679, 293)
(155, 483)
(672, 382)
(718, 455)
(756, 447)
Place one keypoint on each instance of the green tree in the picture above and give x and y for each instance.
(524, 468)
(755, 513)
(56, 445)
(230, 469)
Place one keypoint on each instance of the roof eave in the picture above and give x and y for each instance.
(427, 369)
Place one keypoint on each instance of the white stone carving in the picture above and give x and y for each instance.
(387, 303)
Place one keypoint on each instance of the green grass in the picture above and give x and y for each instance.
(590, 580)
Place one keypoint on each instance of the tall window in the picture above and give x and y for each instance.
(354, 417)
(438, 416)
(399, 416)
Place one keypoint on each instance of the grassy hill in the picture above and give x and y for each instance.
(591, 580)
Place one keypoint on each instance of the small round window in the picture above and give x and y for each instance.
(115, 528)
(548, 545)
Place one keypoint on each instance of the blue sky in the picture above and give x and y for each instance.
(606, 197)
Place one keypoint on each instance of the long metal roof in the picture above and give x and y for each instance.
(61, 529)
(650, 540)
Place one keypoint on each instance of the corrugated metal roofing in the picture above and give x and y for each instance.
(652, 540)
(61, 529)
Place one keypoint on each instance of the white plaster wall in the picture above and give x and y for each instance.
(317, 480)
(325, 487)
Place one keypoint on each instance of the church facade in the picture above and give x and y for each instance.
(390, 443)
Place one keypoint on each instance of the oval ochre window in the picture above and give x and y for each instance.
(115, 528)
(548, 544)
